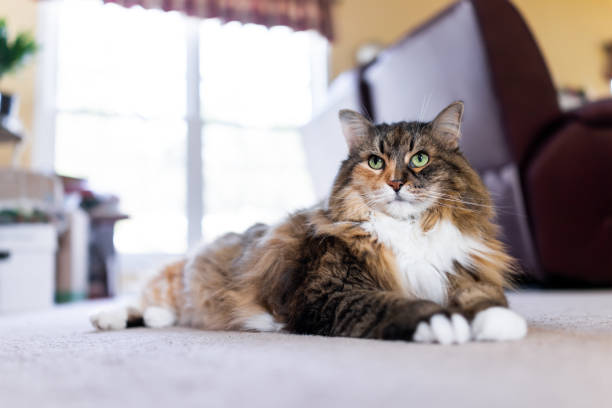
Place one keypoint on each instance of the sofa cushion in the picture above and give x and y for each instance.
(441, 62)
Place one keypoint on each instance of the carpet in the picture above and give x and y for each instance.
(53, 358)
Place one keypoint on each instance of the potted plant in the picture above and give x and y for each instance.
(13, 54)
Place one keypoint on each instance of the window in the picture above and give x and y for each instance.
(256, 91)
(209, 152)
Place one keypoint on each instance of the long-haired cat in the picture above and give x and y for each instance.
(404, 248)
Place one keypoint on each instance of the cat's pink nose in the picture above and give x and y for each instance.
(395, 184)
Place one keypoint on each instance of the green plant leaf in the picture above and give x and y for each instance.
(14, 54)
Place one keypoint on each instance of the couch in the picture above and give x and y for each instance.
(549, 171)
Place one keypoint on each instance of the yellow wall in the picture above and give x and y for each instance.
(20, 16)
(359, 21)
(570, 33)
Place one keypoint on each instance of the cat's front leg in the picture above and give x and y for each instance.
(376, 314)
(498, 324)
(423, 321)
(444, 329)
(486, 306)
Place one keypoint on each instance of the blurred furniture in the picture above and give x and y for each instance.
(550, 172)
(73, 257)
(37, 197)
(27, 266)
(82, 223)
(103, 268)
(29, 202)
(95, 216)
(571, 98)
(29, 190)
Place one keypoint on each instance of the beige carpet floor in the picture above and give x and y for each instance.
(54, 359)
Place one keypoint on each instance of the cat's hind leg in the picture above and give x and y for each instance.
(158, 317)
(117, 317)
(158, 306)
(121, 317)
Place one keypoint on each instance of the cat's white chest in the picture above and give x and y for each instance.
(424, 259)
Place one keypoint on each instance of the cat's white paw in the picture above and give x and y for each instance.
(441, 329)
(498, 324)
(110, 319)
(158, 317)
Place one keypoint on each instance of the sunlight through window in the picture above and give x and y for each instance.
(122, 111)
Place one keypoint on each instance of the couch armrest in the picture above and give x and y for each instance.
(568, 185)
(598, 113)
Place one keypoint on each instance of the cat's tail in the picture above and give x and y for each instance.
(158, 305)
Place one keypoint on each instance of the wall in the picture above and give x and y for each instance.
(20, 15)
(570, 33)
(359, 21)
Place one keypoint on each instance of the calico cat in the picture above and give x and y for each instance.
(404, 249)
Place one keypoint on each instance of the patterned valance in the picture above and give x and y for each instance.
(300, 15)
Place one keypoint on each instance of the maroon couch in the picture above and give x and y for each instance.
(550, 172)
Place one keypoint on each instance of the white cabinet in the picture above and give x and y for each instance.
(27, 266)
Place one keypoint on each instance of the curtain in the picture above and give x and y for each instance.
(300, 15)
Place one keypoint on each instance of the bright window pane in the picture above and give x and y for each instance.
(140, 161)
(117, 60)
(121, 97)
(251, 176)
(255, 76)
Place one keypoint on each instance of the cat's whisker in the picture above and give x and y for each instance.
(373, 202)
(365, 112)
(421, 109)
(454, 195)
(494, 194)
(427, 103)
(433, 195)
(456, 207)
(375, 198)
(424, 106)
(497, 209)
(455, 198)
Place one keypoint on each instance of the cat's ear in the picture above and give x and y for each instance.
(447, 125)
(355, 127)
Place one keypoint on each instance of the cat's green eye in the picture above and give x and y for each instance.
(419, 160)
(375, 162)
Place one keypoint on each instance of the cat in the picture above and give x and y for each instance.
(404, 248)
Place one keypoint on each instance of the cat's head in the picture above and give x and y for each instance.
(405, 169)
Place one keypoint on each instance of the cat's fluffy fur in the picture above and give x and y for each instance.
(398, 252)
